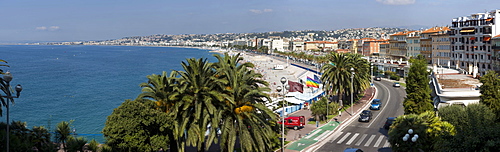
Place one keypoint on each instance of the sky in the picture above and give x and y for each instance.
(85, 20)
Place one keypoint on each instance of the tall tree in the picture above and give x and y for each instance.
(427, 126)
(336, 76)
(163, 91)
(361, 73)
(198, 106)
(490, 92)
(63, 132)
(418, 98)
(137, 126)
(3, 87)
(476, 129)
(245, 116)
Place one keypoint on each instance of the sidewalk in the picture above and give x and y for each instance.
(310, 140)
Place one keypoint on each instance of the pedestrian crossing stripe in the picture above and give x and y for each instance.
(366, 140)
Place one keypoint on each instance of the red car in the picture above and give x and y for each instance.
(295, 122)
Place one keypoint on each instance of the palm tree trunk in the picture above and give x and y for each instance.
(340, 95)
(173, 143)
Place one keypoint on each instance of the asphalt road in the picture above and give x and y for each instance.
(370, 136)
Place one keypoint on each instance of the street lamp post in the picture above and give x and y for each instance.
(5, 82)
(282, 121)
(279, 88)
(371, 73)
(352, 90)
(411, 136)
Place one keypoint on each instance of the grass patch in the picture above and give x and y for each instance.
(329, 117)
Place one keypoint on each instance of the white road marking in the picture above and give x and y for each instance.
(309, 136)
(335, 136)
(370, 141)
(343, 138)
(323, 135)
(378, 141)
(352, 139)
(387, 143)
(385, 104)
(361, 140)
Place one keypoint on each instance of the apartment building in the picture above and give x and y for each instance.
(413, 44)
(426, 43)
(297, 45)
(352, 45)
(397, 46)
(441, 52)
(372, 46)
(471, 47)
(361, 44)
(495, 41)
(384, 48)
(321, 45)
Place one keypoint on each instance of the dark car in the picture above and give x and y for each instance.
(389, 122)
(365, 116)
(376, 104)
(378, 78)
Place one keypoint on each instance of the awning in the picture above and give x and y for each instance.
(462, 31)
(487, 38)
(294, 100)
(489, 19)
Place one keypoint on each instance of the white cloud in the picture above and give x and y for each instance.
(53, 28)
(268, 10)
(260, 11)
(41, 28)
(397, 2)
(44, 28)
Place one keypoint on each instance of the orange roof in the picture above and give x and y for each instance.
(399, 33)
(496, 36)
(436, 29)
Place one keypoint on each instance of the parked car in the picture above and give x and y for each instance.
(378, 78)
(295, 122)
(365, 116)
(396, 84)
(376, 104)
(389, 122)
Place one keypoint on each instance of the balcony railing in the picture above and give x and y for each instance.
(495, 47)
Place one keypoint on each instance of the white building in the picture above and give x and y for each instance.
(471, 47)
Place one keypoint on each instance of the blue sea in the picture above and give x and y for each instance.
(83, 83)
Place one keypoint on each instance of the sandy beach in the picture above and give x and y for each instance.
(265, 64)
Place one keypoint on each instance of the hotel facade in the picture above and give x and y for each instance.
(471, 47)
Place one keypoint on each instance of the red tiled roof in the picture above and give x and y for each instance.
(436, 29)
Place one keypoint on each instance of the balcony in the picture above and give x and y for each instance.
(495, 47)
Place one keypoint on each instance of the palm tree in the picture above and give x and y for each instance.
(62, 133)
(336, 76)
(41, 138)
(361, 73)
(245, 117)
(3, 87)
(163, 91)
(198, 104)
